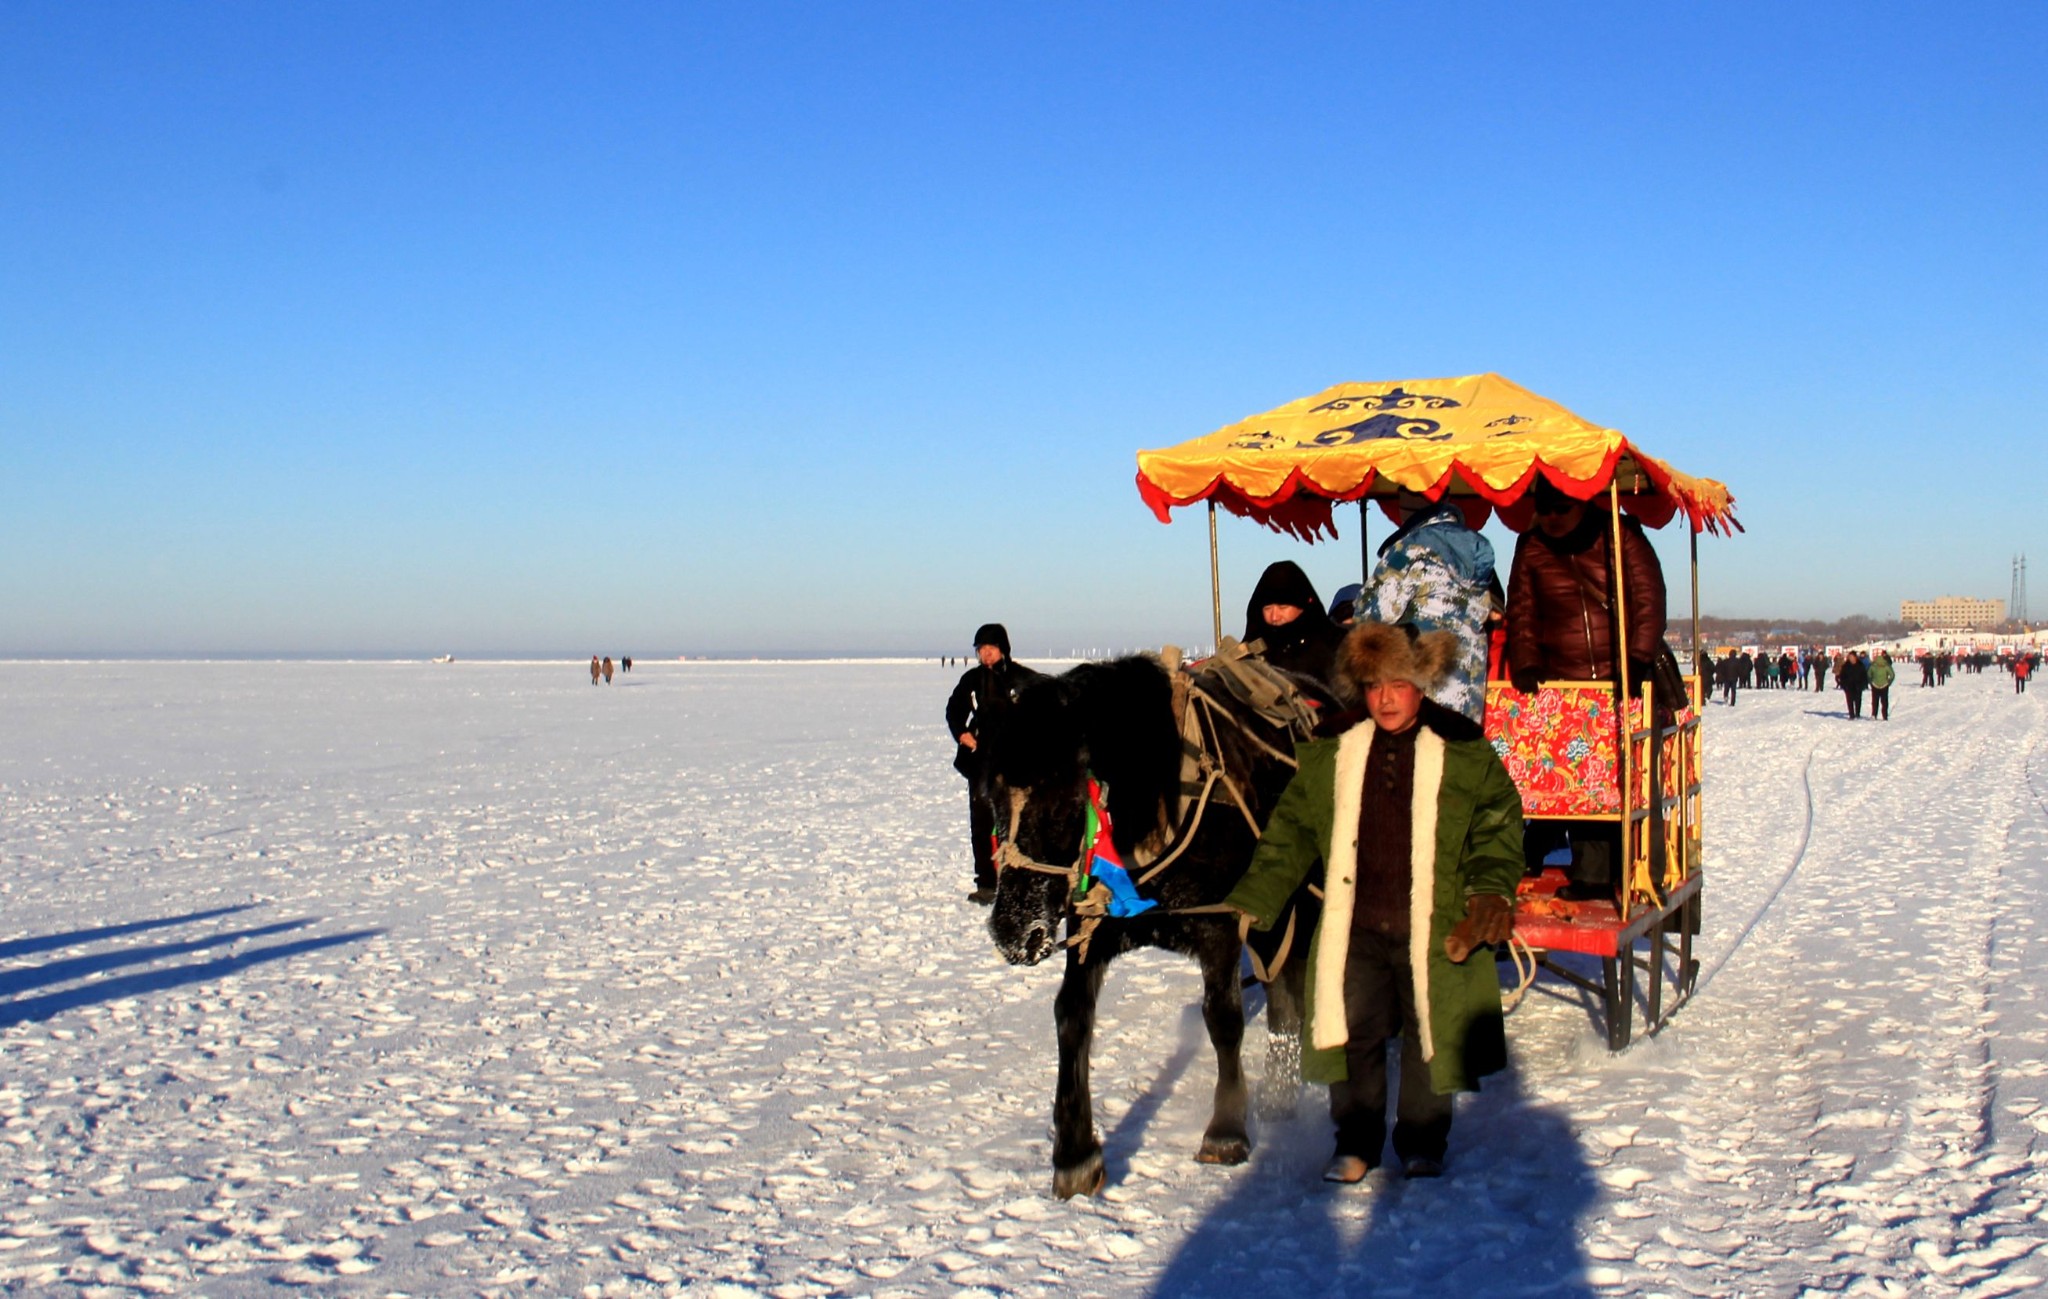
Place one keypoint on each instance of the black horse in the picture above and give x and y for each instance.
(1115, 721)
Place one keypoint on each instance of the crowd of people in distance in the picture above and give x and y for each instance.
(1860, 675)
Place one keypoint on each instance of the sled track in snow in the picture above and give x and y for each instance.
(2033, 785)
(1798, 857)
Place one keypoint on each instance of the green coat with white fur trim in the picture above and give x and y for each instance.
(1467, 820)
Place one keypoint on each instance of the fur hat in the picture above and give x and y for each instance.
(1376, 652)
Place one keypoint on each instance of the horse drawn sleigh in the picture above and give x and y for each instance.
(1109, 788)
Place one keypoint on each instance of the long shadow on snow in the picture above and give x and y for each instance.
(1129, 1133)
(15, 982)
(1503, 1220)
(149, 981)
(80, 937)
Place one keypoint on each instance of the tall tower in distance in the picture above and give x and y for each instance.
(2017, 605)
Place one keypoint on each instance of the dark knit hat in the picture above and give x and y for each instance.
(992, 633)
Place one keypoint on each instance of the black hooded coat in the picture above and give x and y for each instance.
(1308, 645)
(982, 696)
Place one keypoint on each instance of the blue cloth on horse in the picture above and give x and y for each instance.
(1124, 901)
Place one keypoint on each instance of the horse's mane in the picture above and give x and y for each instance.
(1113, 718)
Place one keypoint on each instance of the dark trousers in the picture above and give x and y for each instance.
(1855, 698)
(1881, 702)
(981, 824)
(1595, 846)
(1379, 1003)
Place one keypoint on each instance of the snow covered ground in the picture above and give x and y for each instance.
(418, 979)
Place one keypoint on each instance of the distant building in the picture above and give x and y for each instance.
(1952, 611)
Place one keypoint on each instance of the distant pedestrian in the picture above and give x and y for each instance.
(1853, 678)
(595, 670)
(1882, 675)
(626, 664)
(607, 669)
(2022, 668)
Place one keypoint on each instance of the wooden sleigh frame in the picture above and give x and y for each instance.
(1566, 749)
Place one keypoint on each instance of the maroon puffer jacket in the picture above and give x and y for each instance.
(1556, 629)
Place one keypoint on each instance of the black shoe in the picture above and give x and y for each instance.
(985, 895)
(1423, 1168)
(1581, 891)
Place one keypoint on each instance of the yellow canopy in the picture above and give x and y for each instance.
(1479, 437)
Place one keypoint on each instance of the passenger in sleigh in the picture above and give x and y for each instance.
(1561, 627)
(1287, 617)
(1436, 574)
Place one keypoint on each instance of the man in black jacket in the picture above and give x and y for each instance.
(983, 695)
(1852, 676)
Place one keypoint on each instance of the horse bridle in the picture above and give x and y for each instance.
(1090, 906)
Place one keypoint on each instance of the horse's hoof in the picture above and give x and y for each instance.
(1084, 1178)
(1223, 1150)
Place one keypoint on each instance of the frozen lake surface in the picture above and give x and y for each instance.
(443, 980)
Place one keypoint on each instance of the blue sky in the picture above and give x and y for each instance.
(690, 328)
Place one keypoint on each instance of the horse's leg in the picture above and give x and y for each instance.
(1225, 1141)
(1076, 1154)
(1280, 1086)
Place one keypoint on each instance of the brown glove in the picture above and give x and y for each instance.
(1489, 918)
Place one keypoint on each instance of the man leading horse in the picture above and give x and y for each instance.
(1419, 833)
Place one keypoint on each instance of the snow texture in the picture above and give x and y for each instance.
(475, 979)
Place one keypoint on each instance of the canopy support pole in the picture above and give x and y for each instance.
(1364, 542)
(1699, 687)
(1215, 586)
(1627, 742)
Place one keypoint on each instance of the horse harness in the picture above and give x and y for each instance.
(1197, 712)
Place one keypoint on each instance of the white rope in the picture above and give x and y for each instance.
(1525, 973)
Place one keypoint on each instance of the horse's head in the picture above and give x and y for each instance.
(1114, 720)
